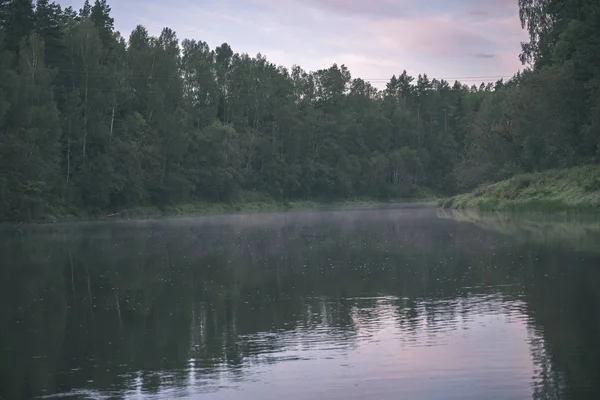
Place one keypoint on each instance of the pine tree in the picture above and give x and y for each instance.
(17, 19)
(86, 10)
(100, 16)
(48, 22)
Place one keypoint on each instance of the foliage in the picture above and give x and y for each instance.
(575, 189)
(91, 123)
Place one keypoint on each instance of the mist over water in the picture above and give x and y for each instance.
(385, 303)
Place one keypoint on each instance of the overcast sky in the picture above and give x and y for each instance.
(375, 38)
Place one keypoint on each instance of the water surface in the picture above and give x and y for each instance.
(392, 303)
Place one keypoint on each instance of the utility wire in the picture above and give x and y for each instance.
(145, 75)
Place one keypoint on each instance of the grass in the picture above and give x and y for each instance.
(567, 190)
(249, 201)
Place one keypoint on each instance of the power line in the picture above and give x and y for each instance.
(142, 74)
(452, 78)
(145, 90)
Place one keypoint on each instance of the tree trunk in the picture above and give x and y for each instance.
(112, 124)
(255, 116)
(69, 155)
(164, 167)
(85, 117)
(396, 178)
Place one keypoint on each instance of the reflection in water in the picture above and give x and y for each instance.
(574, 232)
(562, 293)
(395, 303)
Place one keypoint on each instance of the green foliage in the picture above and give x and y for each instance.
(95, 125)
(575, 189)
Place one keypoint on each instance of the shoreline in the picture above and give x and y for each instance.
(573, 191)
(200, 209)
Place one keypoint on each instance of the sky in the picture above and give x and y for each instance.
(474, 40)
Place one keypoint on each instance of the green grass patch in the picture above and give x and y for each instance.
(569, 190)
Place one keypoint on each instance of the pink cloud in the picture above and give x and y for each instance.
(363, 8)
(374, 39)
(441, 38)
(409, 8)
(438, 36)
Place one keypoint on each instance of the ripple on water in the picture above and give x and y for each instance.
(396, 345)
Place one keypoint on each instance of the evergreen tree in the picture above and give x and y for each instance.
(48, 25)
(100, 16)
(86, 10)
(17, 19)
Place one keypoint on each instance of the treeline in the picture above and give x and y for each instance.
(93, 122)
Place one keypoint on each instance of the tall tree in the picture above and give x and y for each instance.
(100, 16)
(29, 150)
(48, 25)
(17, 21)
(152, 121)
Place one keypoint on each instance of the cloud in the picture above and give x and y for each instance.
(435, 35)
(365, 9)
(484, 55)
(409, 8)
(479, 13)
(498, 8)
(375, 39)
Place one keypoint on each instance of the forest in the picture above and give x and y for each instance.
(92, 122)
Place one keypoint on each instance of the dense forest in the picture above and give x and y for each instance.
(92, 122)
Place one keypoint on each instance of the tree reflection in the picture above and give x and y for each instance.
(148, 306)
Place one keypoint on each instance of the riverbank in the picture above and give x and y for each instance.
(249, 202)
(206, 208)
(568, 190)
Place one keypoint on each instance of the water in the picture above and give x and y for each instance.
(397, 303)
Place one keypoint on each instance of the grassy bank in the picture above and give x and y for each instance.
(207, 208)
(572, 190)
(245, 202)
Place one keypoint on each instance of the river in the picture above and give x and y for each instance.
(404, 302)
